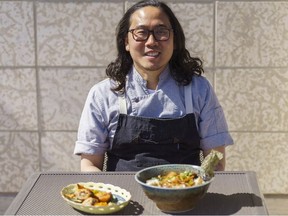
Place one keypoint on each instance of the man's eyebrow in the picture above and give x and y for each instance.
(162, 25)
(159, 25)
(141, 26)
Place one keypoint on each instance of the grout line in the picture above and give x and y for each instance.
(38, 98)
(214, 44)
(93, 67)
(75, 131)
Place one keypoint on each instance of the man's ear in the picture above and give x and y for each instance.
(127, 44)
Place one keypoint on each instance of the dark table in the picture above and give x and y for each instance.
(231, 193)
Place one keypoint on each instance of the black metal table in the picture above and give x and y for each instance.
(231, 193)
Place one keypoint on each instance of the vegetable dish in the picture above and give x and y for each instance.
(89, 197)
(176, 180)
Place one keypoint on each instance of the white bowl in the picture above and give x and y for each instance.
(121, 198)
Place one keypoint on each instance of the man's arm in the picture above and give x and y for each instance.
(92, 163)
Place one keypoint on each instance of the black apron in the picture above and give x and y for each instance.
(143, 142)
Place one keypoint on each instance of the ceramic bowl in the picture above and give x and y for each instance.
(121, 198)
(174, 200)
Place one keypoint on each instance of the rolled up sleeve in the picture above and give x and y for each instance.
(212, 125)
(214, 130)
(92, 133)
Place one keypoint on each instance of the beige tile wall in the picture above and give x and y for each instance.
(52, 52)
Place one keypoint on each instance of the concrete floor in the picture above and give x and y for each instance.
(276, 204)
(5, 200)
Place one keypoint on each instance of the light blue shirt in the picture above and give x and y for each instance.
(100, 114)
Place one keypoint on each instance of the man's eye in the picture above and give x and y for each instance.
(161, 31)
(141, 32)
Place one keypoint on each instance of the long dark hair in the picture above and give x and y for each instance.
(182, 66)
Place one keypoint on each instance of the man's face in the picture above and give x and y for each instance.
(150, 56)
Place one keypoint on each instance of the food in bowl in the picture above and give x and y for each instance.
(176, 180)
(96, 198)
(89, 197)
(171, 199)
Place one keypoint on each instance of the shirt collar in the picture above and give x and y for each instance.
(134, 75)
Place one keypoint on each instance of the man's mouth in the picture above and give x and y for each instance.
(152, 54)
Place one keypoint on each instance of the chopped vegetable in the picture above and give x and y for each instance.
(89, 197)
(210, 162)
(176, 180)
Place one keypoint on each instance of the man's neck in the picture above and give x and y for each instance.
(151, 77)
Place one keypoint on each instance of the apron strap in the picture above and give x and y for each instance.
(122, 104)
(188, 101)
(188, 98)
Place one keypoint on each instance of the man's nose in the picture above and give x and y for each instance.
(151, 39)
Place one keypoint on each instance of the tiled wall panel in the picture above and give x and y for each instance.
(52, 52)
(57, 152)
(18, 107)
(77, 34)
(264, 153)
(254, 99)
(63, 93)
(19, 158)
(197, 21)
(16, 33)
(252, 33)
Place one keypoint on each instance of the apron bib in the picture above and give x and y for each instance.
(143, 142)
